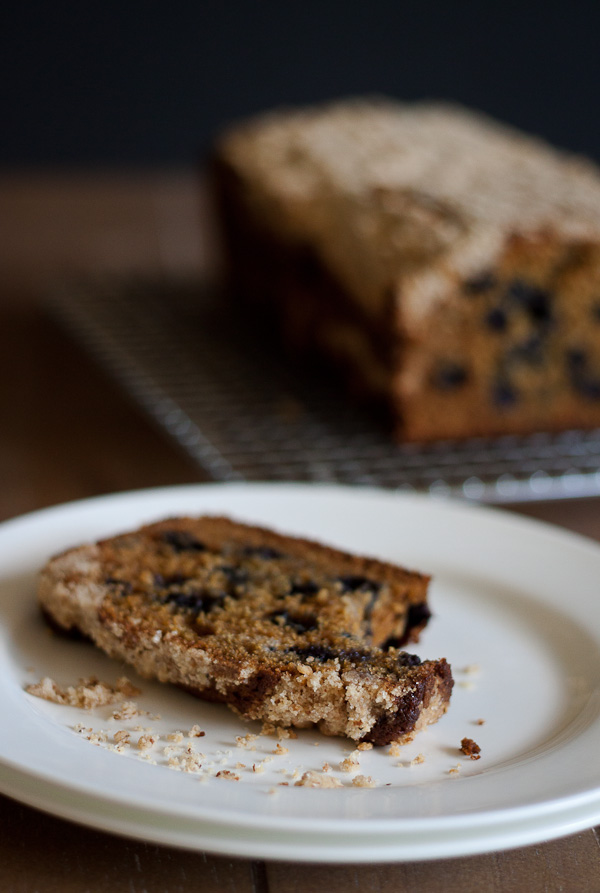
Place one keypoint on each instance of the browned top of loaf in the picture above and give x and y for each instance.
(216, 532)
(213, 576)
(381, 187)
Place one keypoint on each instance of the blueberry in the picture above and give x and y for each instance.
(355, 582)
(535, 300)
(322, 653)
(504, 394)
(237, 576)
(124, 586)
(319, 652)
(409, 660)
(482, 282)
(417, 614)
(404, 658)
(449, 376)
(540, 307)
(392, 642)
(308, 587)
(264, 552)
(300, 624)
(576, 359)
(196, 600)
(182, 541)
(588, 387)
(586, 383)
(355, 656)
(518, 291)
(174, 579)
(530, 351)
(497, 319)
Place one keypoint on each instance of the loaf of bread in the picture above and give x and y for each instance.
(281, 629)
(449, 264)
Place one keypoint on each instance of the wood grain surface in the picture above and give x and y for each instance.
(67, 432)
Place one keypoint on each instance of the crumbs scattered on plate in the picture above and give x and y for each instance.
(470, 748)
(176, 749)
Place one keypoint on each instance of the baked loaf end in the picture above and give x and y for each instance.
(450, 264)
(278, 628)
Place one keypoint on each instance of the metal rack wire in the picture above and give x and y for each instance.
(243, 413)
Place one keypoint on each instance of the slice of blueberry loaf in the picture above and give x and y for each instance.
(281, 629)
(449, 264)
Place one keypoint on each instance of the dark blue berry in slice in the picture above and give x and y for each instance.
(530, 351)
(576, 359)
(323, 653)
(237, 576)
(583, 380)
(124, 586)
(404, 658)
(496, 319)
(355, 582)
(483, 282)
(417, 614)
(182, 541)
(319, 652)
(450, 376)
(174, 579)
(409, 660)
(504, 394)
(306, 587)
(299, 623)
(588, 387)
(264, 552)
(535, 300)
(196, 600)
(354, 656)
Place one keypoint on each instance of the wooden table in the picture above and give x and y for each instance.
(67, 432)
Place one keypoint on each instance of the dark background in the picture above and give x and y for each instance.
(149, 83)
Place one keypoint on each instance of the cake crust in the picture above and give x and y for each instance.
(280, 629)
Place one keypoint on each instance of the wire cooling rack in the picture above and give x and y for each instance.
(244, 411)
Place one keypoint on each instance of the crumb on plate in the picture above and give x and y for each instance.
(470, 748)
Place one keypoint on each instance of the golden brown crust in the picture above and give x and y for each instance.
(276, 627)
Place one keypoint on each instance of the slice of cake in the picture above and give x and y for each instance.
(449, 264)
(281, 629)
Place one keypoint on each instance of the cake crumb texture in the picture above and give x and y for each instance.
(87, 694)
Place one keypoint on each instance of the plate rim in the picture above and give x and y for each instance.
(137, 824)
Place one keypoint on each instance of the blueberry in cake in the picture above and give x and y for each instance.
(448, 264)
(281, 629)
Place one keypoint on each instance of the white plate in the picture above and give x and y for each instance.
(516, 599)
